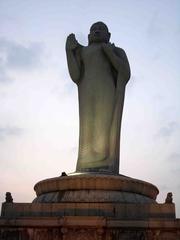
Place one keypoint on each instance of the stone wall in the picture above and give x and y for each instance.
(90, 207)
(87, 228)
(85, 234)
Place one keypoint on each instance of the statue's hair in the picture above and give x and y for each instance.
(96, 23)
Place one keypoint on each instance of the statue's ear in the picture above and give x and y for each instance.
(109, 35)
(89, 38)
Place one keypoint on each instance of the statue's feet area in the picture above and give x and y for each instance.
(94, 188)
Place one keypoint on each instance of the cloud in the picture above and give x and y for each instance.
(164, 187)
(173, 163)
(155, 27)
(176, 171)
(174, 157)
(4, 76)
(167, 131)
(9, 131)
(24, 57)
(16, 56)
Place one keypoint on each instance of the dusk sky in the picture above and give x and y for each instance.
(39, 123)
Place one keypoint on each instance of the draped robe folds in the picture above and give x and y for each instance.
(101, 97)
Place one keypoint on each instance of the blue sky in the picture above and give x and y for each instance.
(38, 100)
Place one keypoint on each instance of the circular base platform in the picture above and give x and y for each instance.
(95, 188)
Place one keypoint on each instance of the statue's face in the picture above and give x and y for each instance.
(99, 33)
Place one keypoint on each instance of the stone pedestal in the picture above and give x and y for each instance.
(91, 207)
(95, 188)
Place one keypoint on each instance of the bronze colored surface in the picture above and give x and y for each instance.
(101, 72)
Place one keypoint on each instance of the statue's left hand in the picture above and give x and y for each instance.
(110, 52)
(108, 47)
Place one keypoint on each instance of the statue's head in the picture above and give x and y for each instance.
(99, 33)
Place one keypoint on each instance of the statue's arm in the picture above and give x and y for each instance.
(118, 59)
(73, 58)
(124, 66)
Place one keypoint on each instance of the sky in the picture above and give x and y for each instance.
(39, 123)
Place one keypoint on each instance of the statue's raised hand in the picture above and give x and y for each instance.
(71, 42)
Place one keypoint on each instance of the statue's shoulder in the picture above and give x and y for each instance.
(120, 52)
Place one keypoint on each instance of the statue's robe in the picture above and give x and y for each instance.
(101, 96)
